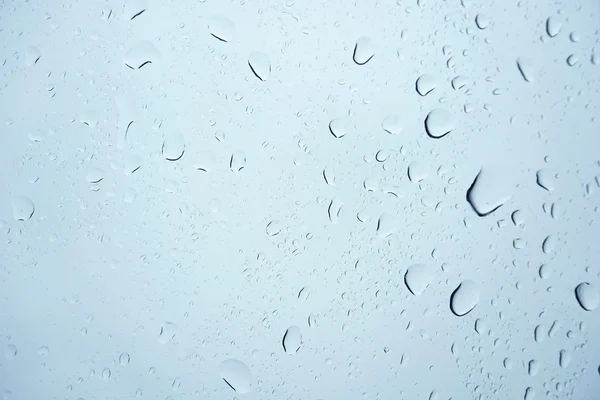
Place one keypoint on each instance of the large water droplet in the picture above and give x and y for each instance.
(141, 54)
(292, 340)
(553, 26)
(417, 278)
(425, 84)
(386, 225)
(236, 375)
(260, 64)
(490, 189)
(173, 146)
(482, 21)
(587, 295)
(222, 28)
(23, 208)
(338, 127)
(525, 66)
(364, 50)
(464, 298)
(392, 124)
(439, 123)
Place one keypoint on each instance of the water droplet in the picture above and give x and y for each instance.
(480, 326)
(417, 171)
(533, 367)
(131, 164)
(572, 60)
(205, 161)
(490, 189)
(364, 50)
(529, 394)
(525, 66)
(334, 210)
(545, 179)
(518, 217)
(545, 271)
(338, 127)
(292, 340)
(553, 328)
(439, 123)
(587, 295)
(508, 364)
(553, 26)
(43, 351)
(538, 333)
(10, 352)
(32, 56)
(138, 393)
(549, 244)
(106, 374)
(221, 28)
(556, 210)
(274, 228)
(459, 82)
(141, 54)
(482, 21)
(425, 84)
(236, 375)
(173, 147)
(464, 298)
(168, 330)
(260, 64)
(124, 359)
(417, 278)
(94, 175)
(237, 162)
(304, 293)
(312, 321)
(329, 176)
(23, 208)
(564, 358)
(392, 124)
(386, 225)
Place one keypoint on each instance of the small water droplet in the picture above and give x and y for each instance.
(464, 298)
(124, 359)
(364, 50)
(553, 26)
(237, 162)
(236, 375)
(525, 66)
(417, 278)
(490, 189)
(106, 374)
(425, 84)
(94, 175)
(587, 295)
(221, 28)
(168, 330)
(274, 228)
(260, 64)
(338, 127)
(23, 208)
(10, 352)
(392, 124)
(334, 210)
(173, 146)
(292, 340)
(439, 123)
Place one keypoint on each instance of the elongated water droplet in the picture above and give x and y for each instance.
(490, 189)
(525, 66)
(508, 364)
(549, 244)
(439, 123)
(236, 375)
(334, 210)
(533, 367)
(538, 333)
(124, 359)
(304, 293)
(425, 84)
(260, 64)
(392, 124)
(564, 358)
(221, 28)
(23, 208)
(364, 50)
(545, 179)
(386, 225)
(237, 162)
(32, 56)
(173, 146)
(94, 175)
(529, 394)
(338, 127)
(553, 26)
(292, 340)
(480, 326)
(464, 298)
(587, 295)
(329, 176)
(545, 271)
(417, 278)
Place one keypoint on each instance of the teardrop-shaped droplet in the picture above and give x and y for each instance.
(425, 84)
(464, 298)
(23, 208)
(292, 340)
(525, 66)
(417, 278)
(236, 375)
(173, 146)
(587, 295)
(490, 189)
(553, 26)
(439, 123)
(364, 50)
(221, 28)
(260, 64)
